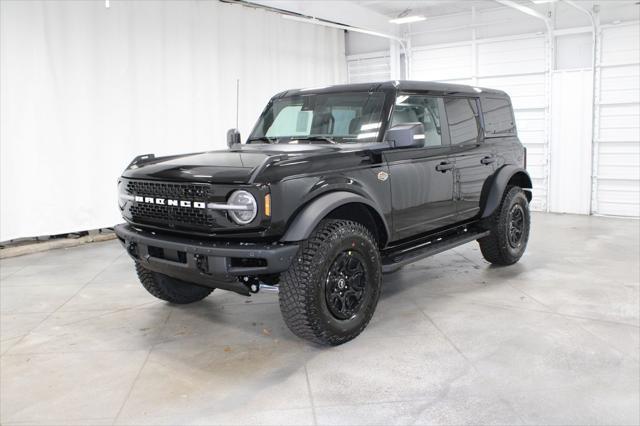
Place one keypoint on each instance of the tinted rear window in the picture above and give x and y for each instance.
(498, 117)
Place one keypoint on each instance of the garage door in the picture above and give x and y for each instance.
(369, 67)
(517, 66)
(616, 188)
(448, 64)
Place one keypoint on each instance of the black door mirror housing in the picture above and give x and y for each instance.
(406, 135)
(233, 137)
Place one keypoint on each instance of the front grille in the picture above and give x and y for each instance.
(173, 217)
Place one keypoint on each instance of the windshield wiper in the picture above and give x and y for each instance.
(316, 138)
(266, 139)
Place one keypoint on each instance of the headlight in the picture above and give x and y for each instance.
(123, 197)
(243, 207)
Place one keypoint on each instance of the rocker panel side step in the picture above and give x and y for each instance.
(394, 260)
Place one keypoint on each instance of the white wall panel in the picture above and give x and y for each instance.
(84, 89)
(570, 168)
(369, 67)
(616, 190)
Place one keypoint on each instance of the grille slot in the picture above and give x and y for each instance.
(142, 212)
(169, 190)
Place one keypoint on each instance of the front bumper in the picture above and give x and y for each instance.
(216, 264)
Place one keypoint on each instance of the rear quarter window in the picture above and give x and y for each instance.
(498, 117)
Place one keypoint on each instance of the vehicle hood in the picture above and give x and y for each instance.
(240, 164)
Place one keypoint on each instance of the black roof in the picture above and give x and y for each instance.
(399, 85)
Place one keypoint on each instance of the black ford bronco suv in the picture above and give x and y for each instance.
(334, 187)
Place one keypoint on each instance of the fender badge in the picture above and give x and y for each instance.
(383, 176)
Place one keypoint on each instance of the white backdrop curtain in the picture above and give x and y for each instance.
(85, 88)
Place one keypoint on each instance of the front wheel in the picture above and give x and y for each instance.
(509, 228)
(331, 290)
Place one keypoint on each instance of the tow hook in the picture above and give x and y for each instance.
(269, 288)
(202, 263)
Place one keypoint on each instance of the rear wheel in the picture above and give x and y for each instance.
(509, 228)
(331, 290)
(171, 289)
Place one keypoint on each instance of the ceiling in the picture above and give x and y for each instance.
(375, 14)
(432, 8)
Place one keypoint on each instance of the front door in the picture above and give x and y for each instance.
(422, 190)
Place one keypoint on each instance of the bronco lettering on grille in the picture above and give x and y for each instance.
(169, 202)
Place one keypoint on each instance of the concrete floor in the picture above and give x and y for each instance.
(551, 340)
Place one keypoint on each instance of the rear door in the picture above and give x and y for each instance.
(422, 189)
(474, 158)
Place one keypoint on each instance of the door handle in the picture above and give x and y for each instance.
(444, 166)
(488, 160)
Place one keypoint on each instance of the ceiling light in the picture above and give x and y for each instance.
(543, 1)
(407, 19)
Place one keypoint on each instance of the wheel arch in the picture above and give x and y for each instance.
(338, 205)
(495, 186)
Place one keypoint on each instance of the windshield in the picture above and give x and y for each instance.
(321, 118)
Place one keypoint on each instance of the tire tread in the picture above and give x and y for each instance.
(297, 285)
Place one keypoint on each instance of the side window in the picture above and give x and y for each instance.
(463, 120)
(423, 109)
(498, 116)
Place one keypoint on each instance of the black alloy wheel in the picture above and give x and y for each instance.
(346, 285)
(516, 226)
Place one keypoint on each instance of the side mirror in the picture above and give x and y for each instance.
(233, 137)
(406, 135)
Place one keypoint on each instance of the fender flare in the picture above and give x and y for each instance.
(317, 209)
(498, 184)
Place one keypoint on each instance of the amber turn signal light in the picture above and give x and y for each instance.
(267, 205)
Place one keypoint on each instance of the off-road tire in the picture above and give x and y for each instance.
(496, 247)
(170, 289)
(302, 287)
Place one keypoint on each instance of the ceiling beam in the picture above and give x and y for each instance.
(341, 12)
(529, 11)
